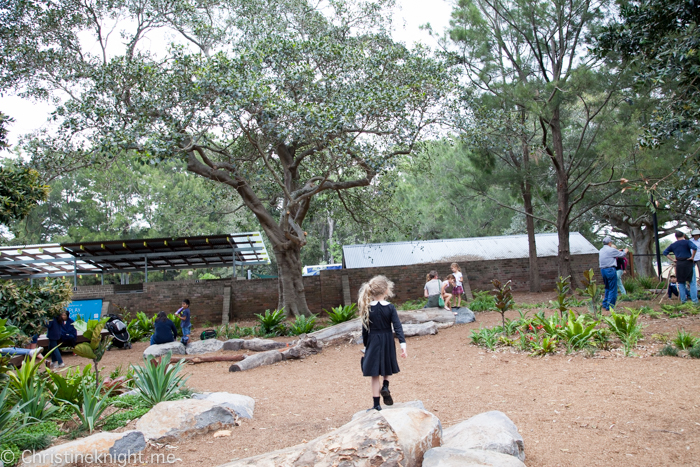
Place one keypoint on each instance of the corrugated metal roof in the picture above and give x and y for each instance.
(458, 249)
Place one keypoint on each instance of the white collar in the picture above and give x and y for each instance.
(383, 302)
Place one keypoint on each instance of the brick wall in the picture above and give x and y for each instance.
(323, 291)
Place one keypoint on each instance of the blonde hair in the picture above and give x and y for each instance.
(456, 266)
(376, 287)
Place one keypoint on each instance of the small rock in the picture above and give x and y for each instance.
(490, 431)
(453, 457)
(222, 433)
(464, 315)
(174, 420)
(243, 406)
(118, 445)
(156, 350)
(205, 346)
(233, 344)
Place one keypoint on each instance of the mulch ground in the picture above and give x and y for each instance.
(572, 410)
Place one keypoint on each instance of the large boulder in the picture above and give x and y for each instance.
(205, 346)
(233, 344)
(441, 317)
(464, 315)
(101, 447)
(422, 329)
(157, 350)
(262, 345)
(391, 437)
(173, 420)
(490, 431)
(400, 405)
(453, 457)
(243, 406)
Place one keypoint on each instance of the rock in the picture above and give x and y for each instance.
(400, 405)
(243, 406)
(256, 360)
(390, 437)
(117, 445)
(205, 346)
(233, 344)
(422, 329)
(443, 318)
(173, 420)
(133, 392)
(261, 345)
(222, 434)
(464, 315)
(156, 350)
(490, 431)
(453, 457)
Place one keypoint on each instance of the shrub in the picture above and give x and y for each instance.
(177, 321)
(483, 301)
(684, 340)
(668, 351)
(97, 345)
(563, 302)
(159, 381)
(272, 322)
(92, 406)
(648, 282)
(68, 387)
(7, 335)
(602, 339)
(120, 419)
(30, 306)
(547, 345)
(630, 284)
(592, 292)
(694, 352)
(340, 314)
(626, 328)
(504, 299)
(485, 337)
(140, 327)
(303, 325)
(578, 333)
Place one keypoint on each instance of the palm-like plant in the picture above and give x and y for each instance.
(578, 332)
(341, 313)
(626, 328)
(92, 406)
(159, 381)
(271, 322)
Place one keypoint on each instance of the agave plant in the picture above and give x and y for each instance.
(97, 345)
(92, 406)
(158, 381)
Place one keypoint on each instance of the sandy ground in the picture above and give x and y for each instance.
(572, 410)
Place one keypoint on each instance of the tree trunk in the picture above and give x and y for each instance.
(564, 253)
(290, 283)
(535, 285)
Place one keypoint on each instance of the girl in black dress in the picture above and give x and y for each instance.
(378, 316)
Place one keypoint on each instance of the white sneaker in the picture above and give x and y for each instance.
(60, 365)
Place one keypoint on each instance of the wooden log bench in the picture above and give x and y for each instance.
(44, 341)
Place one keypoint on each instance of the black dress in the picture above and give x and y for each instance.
(380, 350)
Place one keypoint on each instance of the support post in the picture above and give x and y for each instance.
(234, 266)
(656, 237)
(102, 278)
(75, 272)
(146, 266)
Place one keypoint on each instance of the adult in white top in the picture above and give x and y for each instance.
(696, 263)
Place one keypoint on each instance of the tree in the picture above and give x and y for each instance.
(529, 61)
(274, 99)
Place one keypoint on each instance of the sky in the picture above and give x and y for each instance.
(408, 17)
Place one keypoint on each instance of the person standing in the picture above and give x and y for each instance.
(684, 253)
(185, 322)
(620, 269)
(696, 262)
(607, 260)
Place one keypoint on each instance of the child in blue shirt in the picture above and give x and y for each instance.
(185, 324)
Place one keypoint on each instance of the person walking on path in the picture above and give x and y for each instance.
(620, 269)
(684, 253)
(607, 260)
(378, 316)
(432, 290)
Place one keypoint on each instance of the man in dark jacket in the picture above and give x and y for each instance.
(684, 252)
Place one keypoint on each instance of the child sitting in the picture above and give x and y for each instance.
(446, 296)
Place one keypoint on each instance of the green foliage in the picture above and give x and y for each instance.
(626, 328)
(120, 419)
(159, 381)
(28, 306)
(342, 313)
(563, 302)
(7, 339)
(35, 436)
(176, 319)
(12, 456)
(694, 352)
(91, 407)
(141, 327)
(668, 351)
(9, 419)
(272, 322)
(631, 284)
(208, 276)
(20, 190)
(648, 282)
(578, 332)
(96, 347)
(545, 346)
(647, 310)
(504, 299)
(485, 337)
(592, 291)
(483, 301)
(303, 325)
(410, 305)
(69, 385)
(552, 326)
(685, 340)
(235, 332)
(603, 339)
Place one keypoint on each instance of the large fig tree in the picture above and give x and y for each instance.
(280, 100)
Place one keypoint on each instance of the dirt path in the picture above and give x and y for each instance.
(571, 410)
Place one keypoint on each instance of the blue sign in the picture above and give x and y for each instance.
(316, 270)
(85, 309)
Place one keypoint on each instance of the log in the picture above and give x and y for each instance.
(261, 345)
(304, 347)
(349, 330)
(209, 358)
(258, 359)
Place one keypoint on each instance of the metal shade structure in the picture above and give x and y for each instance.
(140, 255)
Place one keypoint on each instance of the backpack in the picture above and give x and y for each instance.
(208, 334)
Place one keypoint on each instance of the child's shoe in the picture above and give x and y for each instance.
(386, 395)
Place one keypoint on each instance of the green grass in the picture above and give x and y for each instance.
(120, 419)
(483, 301)
(413, 304)
(669, 351)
